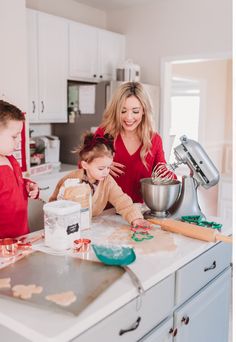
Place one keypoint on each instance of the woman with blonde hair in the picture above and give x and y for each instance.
(128, 118)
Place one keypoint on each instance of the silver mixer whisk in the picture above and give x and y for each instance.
(163, 173)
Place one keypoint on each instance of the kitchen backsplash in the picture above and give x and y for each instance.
(40, 129)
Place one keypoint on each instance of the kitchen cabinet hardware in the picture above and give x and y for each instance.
(212, 267)
(185, 320)
(133, 326)
(42, 110)
(33, 110)
(173, 332)
(101, 76)
(94, 75)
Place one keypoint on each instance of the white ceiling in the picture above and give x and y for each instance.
(113, 4)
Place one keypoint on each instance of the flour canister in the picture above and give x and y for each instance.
(61, 224)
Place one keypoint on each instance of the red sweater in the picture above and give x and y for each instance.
(134, 169)
(13, 201)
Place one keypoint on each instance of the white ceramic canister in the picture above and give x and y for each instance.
(61, 224)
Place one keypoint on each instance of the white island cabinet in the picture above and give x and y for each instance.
(187, 298)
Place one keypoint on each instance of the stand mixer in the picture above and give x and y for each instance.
(165, 196)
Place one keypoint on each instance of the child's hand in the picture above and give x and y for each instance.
(141, 223)
(32, 189)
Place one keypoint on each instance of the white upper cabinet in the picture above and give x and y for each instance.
(111, 53)
(94, 54)
(48, 67)
(83, 51)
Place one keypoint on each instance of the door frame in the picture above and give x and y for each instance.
(165, 91)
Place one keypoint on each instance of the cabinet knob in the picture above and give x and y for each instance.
(94, 75)
(100, 76)
(185, 320)
(173, 332)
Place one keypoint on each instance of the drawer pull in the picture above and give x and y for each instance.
(211, 267)
(185, 320)
(42, 103)
(44, 188)
(33, 102)
(131, 328)
(173, 332)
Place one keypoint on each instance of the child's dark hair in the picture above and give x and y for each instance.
(95, 146)
(9, 112)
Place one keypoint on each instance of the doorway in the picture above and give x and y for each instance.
(186, 97)
(195, 100)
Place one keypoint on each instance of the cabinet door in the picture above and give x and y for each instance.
(111, 53)
(162, 333)
(32, 34)
(48, 67)
(205, 317)
(53, 67)
(83, 51)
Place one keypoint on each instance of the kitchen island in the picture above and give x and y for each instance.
(185, 286)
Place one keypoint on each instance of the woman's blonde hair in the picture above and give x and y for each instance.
(111, 118)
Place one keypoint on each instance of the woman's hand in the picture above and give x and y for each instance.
(141, 223)
(116, 169)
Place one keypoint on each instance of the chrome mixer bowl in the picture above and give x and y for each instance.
(159, 197)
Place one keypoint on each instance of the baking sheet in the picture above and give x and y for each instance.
(87, 279)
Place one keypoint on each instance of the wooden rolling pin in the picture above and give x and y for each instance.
(191, 230)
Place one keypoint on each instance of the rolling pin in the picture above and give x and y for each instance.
(191, 230)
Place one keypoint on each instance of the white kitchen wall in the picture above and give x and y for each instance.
(173, 28)
(13, 56)
(71, 10)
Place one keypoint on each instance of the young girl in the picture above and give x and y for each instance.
(14, 190)
(96, 157)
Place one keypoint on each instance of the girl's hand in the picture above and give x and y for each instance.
(32, 189)
(116, 169)
(141, 223)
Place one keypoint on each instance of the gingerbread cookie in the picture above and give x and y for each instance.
(63, 298)
(26, 291)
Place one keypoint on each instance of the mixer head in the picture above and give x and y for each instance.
(203, 170)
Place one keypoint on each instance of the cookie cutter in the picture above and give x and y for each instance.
(10, 246)
(82, 245)
(199, 221)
